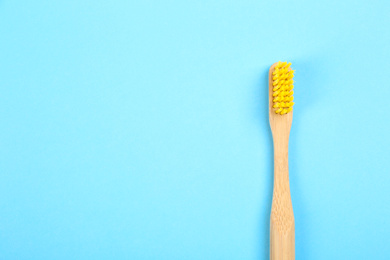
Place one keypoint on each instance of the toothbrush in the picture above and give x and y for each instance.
(282, 237)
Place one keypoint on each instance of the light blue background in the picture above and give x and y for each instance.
(139, 129)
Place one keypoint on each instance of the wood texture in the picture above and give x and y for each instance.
(282, 233)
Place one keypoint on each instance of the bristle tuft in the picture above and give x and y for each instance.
(282, 82)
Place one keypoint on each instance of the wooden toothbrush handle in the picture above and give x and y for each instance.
(282, 233)
(282, 244)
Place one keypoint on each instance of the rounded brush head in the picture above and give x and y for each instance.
(282, 88)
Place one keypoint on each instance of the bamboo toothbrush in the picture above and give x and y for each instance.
(282, 238)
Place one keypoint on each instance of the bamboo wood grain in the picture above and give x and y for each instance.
(282, 230)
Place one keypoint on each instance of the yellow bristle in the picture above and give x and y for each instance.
(282, 82)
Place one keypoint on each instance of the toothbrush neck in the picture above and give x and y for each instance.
(281, 157)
